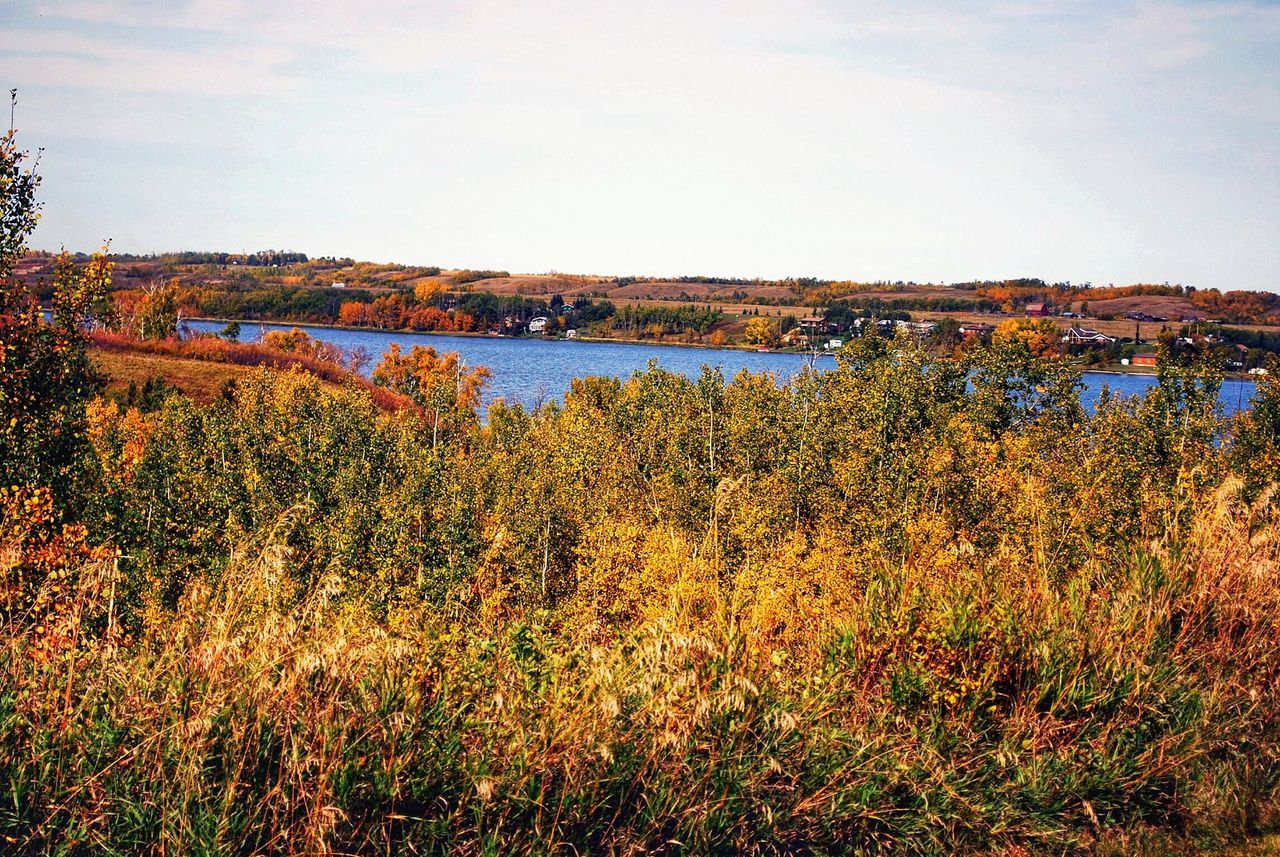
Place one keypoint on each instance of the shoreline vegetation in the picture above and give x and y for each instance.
(920, 603)
(1107, 369)
(1239, 329)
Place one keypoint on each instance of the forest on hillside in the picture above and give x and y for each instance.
(917, 603)
(288, 286)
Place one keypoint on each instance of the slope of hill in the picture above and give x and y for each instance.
(319, 286)
(199, 379)
(202, 366)
(1172, 307)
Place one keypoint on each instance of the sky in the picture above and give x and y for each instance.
(926, 140)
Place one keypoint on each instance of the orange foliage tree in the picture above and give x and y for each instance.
(353, 314)
(442, 384)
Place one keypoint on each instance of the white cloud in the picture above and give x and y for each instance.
(847, 138)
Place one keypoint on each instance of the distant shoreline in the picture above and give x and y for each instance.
(472, 334)
(1111, 369)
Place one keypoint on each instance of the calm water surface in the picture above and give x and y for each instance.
(526, 370)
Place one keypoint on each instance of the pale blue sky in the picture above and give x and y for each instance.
(1110, 142)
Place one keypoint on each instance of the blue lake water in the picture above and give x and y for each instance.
(529, 370)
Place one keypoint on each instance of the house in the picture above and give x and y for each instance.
(1037, 309)
(1197, 341)
(795, 338)
(1086, 336)
(1146, 358)
(338, 285)
(812, 324)
(1236, 362)
(977, 330)
(919, 328)
(834, 344)
(571, 334)
(538, 325)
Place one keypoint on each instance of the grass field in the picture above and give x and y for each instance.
(199, 379)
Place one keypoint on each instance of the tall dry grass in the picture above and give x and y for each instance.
(981, 710)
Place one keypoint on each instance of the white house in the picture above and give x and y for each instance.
(834, 344)
(339, 285)
(538, 325)
(1086, 336)
(571, 334)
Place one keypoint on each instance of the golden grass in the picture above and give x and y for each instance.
(199, 379)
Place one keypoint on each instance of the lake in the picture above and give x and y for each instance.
(529, 370)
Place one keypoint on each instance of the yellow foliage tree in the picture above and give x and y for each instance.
(762, 331)
(296, 341)
(1041, 335)
(426, 291)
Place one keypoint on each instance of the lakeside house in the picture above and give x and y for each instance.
(571, 334)
(811, 325)
(538, 325)
(920, 328)
(1086, 336)
(1147, 358)
(888, 327)
(977, 330)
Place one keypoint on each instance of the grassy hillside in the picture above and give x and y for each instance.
(199, 379)
(202, 367)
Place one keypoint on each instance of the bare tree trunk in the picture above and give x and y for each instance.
(546, 555)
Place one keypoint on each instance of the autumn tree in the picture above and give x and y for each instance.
(761, 331)
(1041, 336)
(45, 374)
(353, 314)
(297, 341)
(447, 389)
(157, 315)
(430, 318)
(1255, 451)
(46, 381)
(359, 359)
(427, 291)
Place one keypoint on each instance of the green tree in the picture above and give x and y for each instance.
(45, 374)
